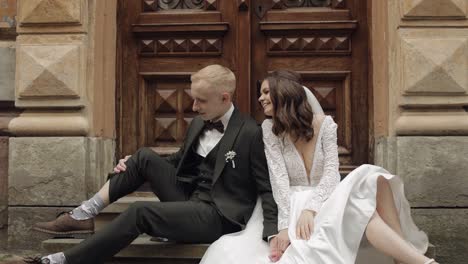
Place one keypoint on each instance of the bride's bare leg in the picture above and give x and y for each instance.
(385, 239)
(386, 205)
(384, 229)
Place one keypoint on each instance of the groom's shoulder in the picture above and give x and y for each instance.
(249, 122)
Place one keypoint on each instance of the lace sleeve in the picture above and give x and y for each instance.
(278, 174)
(330, 178)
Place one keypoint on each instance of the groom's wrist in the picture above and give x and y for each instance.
(270, 238)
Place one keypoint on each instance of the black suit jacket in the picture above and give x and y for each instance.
(235, 190)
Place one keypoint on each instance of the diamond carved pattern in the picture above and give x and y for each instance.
(275, 44)
(434, 8)
(50, 12)
(332, 44)
(164, 45)
(169, 110)
(326, 96)
(165, 129)
(166, 101)
(49, 71)
(211, 5)
(147, 46)
(435, 65)
(212, 45)
(150, 5)
(195, 45)
(292, 44)
(181, 46)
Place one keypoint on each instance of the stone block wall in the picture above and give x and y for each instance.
(7, 97)
(420, 113)
(62, 143)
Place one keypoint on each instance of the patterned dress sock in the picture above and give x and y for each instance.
(88, 209)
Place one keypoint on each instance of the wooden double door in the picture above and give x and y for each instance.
(161, 42)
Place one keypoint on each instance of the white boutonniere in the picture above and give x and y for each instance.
(230, 155)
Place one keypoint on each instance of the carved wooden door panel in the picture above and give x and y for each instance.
(161, 42)
(326, 41)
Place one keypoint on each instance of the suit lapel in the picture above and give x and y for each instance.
(230, 135)
(193, 134)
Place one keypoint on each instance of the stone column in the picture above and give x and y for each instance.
(7, 99)
(65, 83)
(420, 106)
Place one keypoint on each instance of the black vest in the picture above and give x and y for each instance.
(197, 172)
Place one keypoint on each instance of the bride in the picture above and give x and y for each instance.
(320, 220)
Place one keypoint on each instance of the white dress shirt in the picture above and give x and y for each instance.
(209, 138)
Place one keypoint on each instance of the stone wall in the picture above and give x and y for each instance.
(420, 51)
(7, 70)
(50, 173)
(63, 144)
(7, 97)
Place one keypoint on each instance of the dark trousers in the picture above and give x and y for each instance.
(175, 217)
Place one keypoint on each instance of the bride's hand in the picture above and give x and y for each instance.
(283, 239)
(305, 224)
(278, 245)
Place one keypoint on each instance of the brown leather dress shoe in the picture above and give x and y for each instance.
(65, 225)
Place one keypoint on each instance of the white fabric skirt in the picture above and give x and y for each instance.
(338, 231)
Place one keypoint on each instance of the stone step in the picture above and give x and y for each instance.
(142, 250)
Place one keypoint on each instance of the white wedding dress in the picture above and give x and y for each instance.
(344, 208)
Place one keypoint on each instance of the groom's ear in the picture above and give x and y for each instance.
(226, 97)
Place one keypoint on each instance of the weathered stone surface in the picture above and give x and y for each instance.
(447, 230)
(433, 8)
(21, 221)
(384, 156)
(49, 11)
(50, 123)
(453, 122)
(49, 70)
(7, 70)
(3, 238)
(3, 182)
(101, 161)
(47, 171)
(434, 170)
(435, 64)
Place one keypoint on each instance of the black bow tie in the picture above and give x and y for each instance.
(214, 125)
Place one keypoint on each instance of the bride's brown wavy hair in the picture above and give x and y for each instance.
(292, 113)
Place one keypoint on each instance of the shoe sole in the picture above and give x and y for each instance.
(76, 234)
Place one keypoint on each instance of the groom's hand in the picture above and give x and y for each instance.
(121, 166)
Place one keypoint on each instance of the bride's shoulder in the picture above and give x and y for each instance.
(267, 124)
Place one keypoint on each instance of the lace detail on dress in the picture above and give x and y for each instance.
(325, 176)
(278, 173)
(287, 169)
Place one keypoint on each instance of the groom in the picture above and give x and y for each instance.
(207, 189)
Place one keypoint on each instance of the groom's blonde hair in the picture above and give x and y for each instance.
(218, 77)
